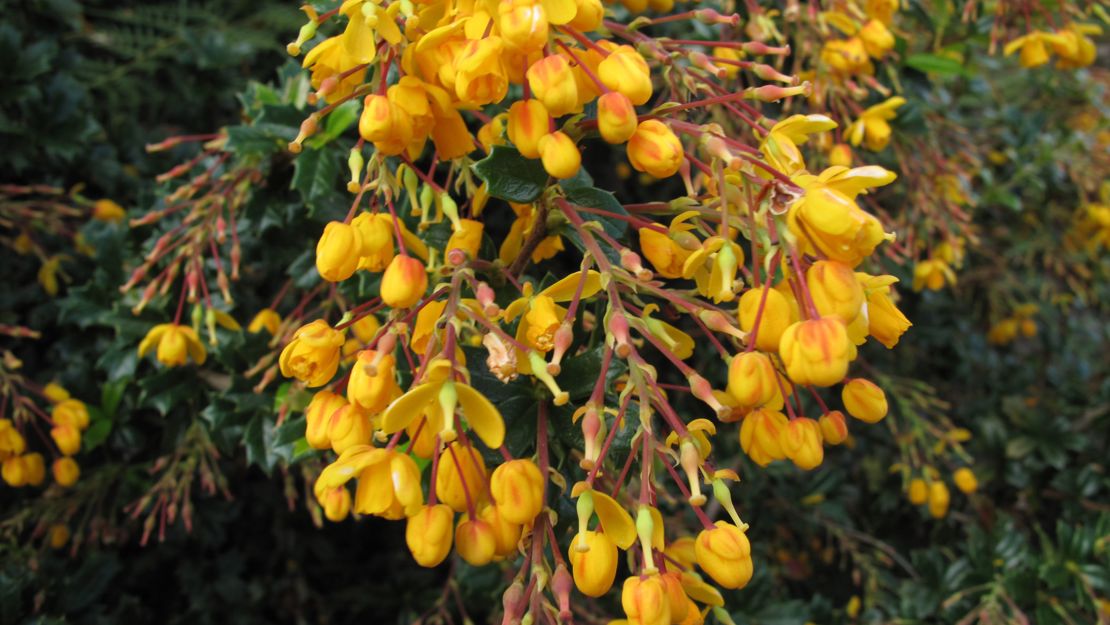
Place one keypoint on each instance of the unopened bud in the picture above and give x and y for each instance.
(700, 60)
(513, 602)
(561, 583)
(308, 31)
(766, 72)
(355, 163)
(719, 322)
(618, 329)
(308, 128)
(645, 527)
(591, 428)
(631, 261)
(701, 389)
(486, 296)
(691, 462)
(760, 48)
(774, 93)
(564, 335)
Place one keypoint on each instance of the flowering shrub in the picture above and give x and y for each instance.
(669, 314)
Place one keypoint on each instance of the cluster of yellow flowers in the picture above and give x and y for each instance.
(1019, 323)
(931, 491)
(68, 418)
(1071, 44)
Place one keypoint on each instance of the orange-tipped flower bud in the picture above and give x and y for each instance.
(528, 122)
(645, 601)
(655, 149)
(66, 471)
(815, 351)
(864, 400)
(835, 290)
(801, 442)
(338, 251)
(626, 71)
(347, 427)
(834, 427)
(71, 412)
(336, 503)
(596, 568)
(616, 117)
(475, 541)
(523, 24)
(404, 282)
(840, 155)
(14, 472)
(372, 384)
(759, 436)
(776, 317)
(317, 417)
(553, 83)
(725, 554)
(752, 379)
(471, 468)
(506, 534)
(561, 158)
(313, 355)
(428, 534)
(517, 487)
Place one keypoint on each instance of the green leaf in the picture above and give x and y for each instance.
(315, 173)
(593, 197)
(509, 176)
(110, 396)
(338, 121)
(936, 64)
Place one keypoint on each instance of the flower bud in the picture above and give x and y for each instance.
(450, 475)
(677, 600)
(475, 541)
(834, 428)
(528, 122)
(14, 472)
(517, 487)
(313, 355)
(626, 71)
(428, 534)
(404, 282)
(938, 499)
(57, 536)
(801, 442)
(376, 234)
(655, 149)
(34, 469)
(918, 491)
(759, 436)
(964, 479)
(466, 236)
(840, 155)
(318, 415)
(266, 319)
(336, 503)
(877, 39)
(338, 251)
(523, 24)
(67, 438)
(616, 117)
(752, 379)
(66, 471)
(645, 601)
(553, 83)
(506, 534)
(390, 487)
(372, 384)
(815, 351)
(595, 568)
(777, 315)
(347, 427)
(864, 400)
(561, 158)
(71, 412)
(835, 290)
(725, 554)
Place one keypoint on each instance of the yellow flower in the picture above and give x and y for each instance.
(337, 252)
(372, 384)
(14, 472)
(66, 472)
(827, 221)
(428, 534)
(884, 321)
(654, 149)
(938, 499)
(815, 351)
(328, 60)
(801, 443)
(624, 70)
(521, 229)
(725, 554)
(834, 428)
(313, 355)
(1034, 49)
(752, 380)
(107, 210)
(466, 236)
(759, 435)
(846, 57)
(777, 316)
(506, 534)
(918, 491)
(527, 124)
(336, 503)
(553, 83)
(389, 487)
(11, 441)
(49, 271)
(876, 38)
(57, 536)
(475, 541)
(440, 396)
(864, 400)
(517, 488)
(267, 319)
(480, 76)
(932, 274)
(644, 600)
(72, 412)
(616, 117)
(835, 290)
(349, 426)
(965, 480)
(780, 146)
(1074, 47)
(668, 252)
(871, 128)
(176, 344)
(561, 158)
(593, 561)
(387, 125)
(318, 415)
(404, 282)
(459, 464)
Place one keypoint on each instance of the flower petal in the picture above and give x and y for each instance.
(482, 416)
(615, 520)
(407, 407)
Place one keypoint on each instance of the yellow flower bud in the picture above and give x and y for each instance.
(864, 400)
(11, 441)
(318, 415)
(752, 379)
(801, 442)
(777, 316)
(492, 133)
(552, 83)
(34, 469)
(66, 471)
(595, 568)
(834, 428)
(347, 427)
(57, 536)
(588, 16)
(372, 384)
(404, 282)
(479, 74)
(376, 235)
(313, 355)
(107, 210)
(506, 534)
(428, 534)
(475, 541)
(759, 435)
(467, 236)
(677, 600)
(877, 40)
(517, 487)
(338, 251)
(884, 321)
(626, 71)
(336, 503)
(67, 438)
(725, 554)
(938, 499)
(450, 476)
(366, 328)
(528, 122)
(815, 351)
(965, 480)
(616, 117)
(14, 472)
(918, 491)
(655, 149)
(561, 158)
(266, 319)
(828, 221)
(682, 550)
(645, 601)
(840, 155)
(665, 254)
(523, 24)
(71, 412)
(390, 487)
(835, 290)
(55, 392)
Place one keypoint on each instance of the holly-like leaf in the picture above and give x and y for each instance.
(510, 176)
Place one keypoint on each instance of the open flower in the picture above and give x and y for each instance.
(175, 344)
(437, 399)
(871, 128)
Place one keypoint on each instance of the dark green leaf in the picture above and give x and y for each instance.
(510, 176)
